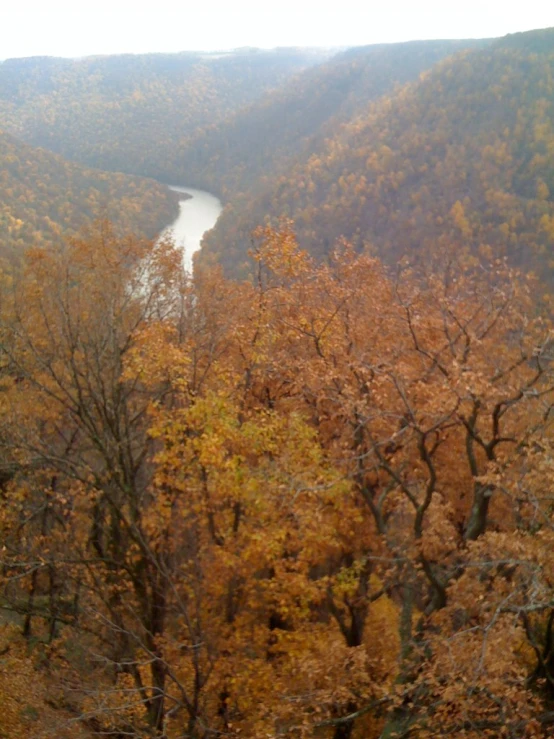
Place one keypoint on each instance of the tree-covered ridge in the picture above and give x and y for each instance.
(131, 113)
(248, 150)
(45, 196)
(465, 152)
(317, 505)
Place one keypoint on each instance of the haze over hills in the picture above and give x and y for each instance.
(123, 114)
(464, 152)
(261, 141)
(356, 145)
(132, 113)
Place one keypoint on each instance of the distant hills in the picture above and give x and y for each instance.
(262, 140)
(462, 154)
(132, 113)
(401, 148)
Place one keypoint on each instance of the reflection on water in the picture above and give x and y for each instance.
(197, 215)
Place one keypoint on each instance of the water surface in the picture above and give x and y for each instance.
(197, 214)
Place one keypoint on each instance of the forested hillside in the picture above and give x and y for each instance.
(132, 113)
(249, 149)
(465, 152)
(44, 196)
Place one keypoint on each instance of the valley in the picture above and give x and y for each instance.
(277, 438)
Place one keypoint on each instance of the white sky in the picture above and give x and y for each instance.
(82, 27)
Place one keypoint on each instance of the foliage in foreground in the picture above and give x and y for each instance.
(317, 505)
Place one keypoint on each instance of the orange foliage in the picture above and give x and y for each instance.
(317, 504)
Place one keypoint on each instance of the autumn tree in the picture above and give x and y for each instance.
(432, 390)
(314, 504)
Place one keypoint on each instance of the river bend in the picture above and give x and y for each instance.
(197, 214)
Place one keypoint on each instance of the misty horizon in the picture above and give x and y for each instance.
(67, 30)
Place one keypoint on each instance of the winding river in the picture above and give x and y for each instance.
(197, 214)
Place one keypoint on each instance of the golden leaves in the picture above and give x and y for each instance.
(264, 504)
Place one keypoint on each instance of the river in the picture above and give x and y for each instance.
(197, 215)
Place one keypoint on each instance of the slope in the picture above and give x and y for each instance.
(466, 153)
(129, 113)
(260, 141)
(44, 196)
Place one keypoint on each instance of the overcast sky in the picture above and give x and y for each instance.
(82, 27)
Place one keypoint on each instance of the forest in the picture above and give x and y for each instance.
(304, 491)
(217, 494)
(464, 152)
(129, 113)
(45, 197)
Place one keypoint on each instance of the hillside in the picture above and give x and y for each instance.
(464, 153)
(129, 113)
(44, 195)
(258, 142)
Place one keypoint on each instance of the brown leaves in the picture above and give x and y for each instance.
(261, 508)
